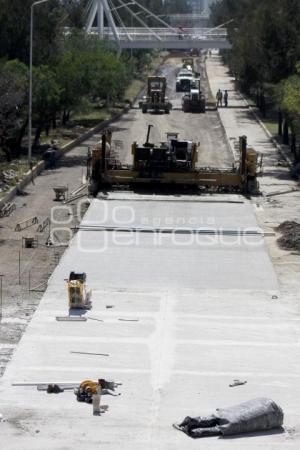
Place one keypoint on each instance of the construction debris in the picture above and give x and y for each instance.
(29, 242)
(7, 209)
(237, 383)
(26, 223)
(60, 193)
(290, 239)
(89, 353)
(129, 320)
(260, 414)
(290, 191)
(43, 225)
(75, 197)
(71, 319)
(62, 386)
(54, 389)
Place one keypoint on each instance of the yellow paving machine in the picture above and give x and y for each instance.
(172, 163)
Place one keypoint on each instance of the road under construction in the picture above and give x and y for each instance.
(187, 297)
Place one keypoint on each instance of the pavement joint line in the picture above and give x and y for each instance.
(123, 199)
(176, 230)
(176, 371)
(80, 369)
(236, 343)
(236, 373)
(145, 341)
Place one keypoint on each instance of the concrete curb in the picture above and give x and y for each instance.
(267, 132)
(231, 147)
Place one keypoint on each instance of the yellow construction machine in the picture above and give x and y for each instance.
(156, 99)
(79, 297)
(172, 163)
(88, 388)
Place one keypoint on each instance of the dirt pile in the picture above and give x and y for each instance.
(290, 239)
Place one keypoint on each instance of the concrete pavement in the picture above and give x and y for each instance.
(193, 318)
(195, 315)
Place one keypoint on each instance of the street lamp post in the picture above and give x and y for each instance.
(30, 83)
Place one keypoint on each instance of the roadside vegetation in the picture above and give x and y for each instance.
(265, 59)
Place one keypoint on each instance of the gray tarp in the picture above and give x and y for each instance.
(255, 415)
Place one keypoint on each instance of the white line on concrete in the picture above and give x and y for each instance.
(233, 374)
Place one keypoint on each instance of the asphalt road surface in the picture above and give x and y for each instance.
(204, 128)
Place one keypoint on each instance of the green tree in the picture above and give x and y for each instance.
(110, 78)
(15, 30)
(46, 98)
(264, 35)
(13, 95)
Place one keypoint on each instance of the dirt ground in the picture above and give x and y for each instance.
(290, 236)
(26, 270)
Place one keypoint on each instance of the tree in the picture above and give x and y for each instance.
(74, 11)
(88, 70)
(46, 98)
(15, 30)
(13, 83)
(111, 77)
(264, 36)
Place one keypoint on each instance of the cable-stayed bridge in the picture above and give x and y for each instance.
(107, 18)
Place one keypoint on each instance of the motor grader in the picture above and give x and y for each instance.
(156, 99)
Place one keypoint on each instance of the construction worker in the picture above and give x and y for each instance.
(226, 99)
(219, 98)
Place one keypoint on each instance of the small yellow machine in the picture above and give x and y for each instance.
(79, 297)
(88, 388)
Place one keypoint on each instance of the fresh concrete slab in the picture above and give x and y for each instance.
(193, 320)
